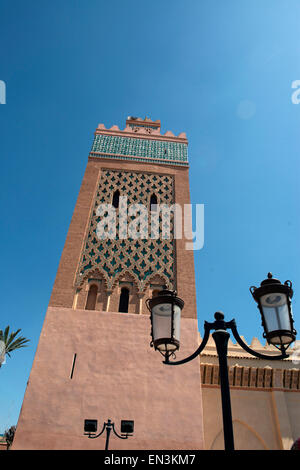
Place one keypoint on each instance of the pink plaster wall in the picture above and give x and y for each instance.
(118, 376)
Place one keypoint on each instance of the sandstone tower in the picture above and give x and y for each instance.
(93, 358)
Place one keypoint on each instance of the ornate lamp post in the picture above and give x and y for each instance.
(274, 303)
(90, 428)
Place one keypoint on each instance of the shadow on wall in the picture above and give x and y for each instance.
(245, 438)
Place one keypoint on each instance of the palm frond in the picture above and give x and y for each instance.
(19, 343)
(6, 332)
(12, 337)
(10, 340)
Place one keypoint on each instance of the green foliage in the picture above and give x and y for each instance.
(11, 341)
(9, 435)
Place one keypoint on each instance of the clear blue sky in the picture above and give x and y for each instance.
(219, 71)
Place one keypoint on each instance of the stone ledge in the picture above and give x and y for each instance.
(253, 377)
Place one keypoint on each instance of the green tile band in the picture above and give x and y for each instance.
(132, 148)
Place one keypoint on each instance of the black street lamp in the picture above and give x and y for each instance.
(90, 428)
(274, 303)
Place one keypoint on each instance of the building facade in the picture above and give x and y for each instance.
(265, 398)
(93, 359)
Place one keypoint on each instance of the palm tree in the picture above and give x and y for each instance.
(9, 435)
(10, 343)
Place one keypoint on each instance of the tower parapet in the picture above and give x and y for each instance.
(140, 141)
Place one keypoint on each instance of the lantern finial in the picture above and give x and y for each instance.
(219, 316)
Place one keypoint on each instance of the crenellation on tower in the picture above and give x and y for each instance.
(143, 128)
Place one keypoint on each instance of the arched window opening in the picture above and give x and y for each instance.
(153, 203)
(124, 300)
(115, 199)
(92, 298)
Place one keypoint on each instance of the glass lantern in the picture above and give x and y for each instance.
(274, 303)
(165, 309)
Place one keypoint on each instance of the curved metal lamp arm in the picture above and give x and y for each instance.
(207, 328)
(232, 326)
(251, 351)
(118, 435)
(97, 435)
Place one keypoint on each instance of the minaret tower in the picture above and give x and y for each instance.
(93, 358)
